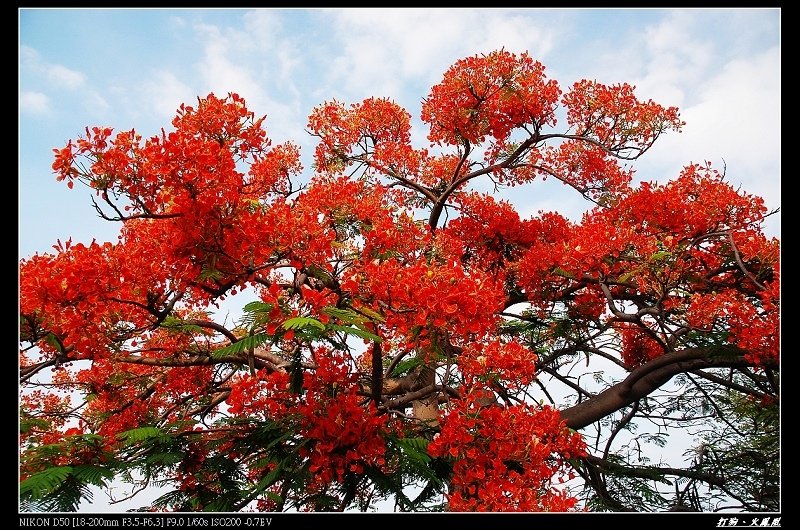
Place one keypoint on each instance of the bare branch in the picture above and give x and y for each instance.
(651, 472)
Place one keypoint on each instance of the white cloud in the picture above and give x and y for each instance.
(219, 72)
(95, 103)
(34, 102)
(515, 33)
(676, 58)
(58, 75)
(736, 122)
(384, 49)
(64, 77)
(28, 56)
(260, 29)
(729, 96)
(663, 60)
(257, 64)
(165, 92)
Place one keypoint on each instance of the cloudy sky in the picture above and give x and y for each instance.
(132, 68)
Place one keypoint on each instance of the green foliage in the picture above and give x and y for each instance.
(38, 485)
(140, 434)
(209, 273)
(257, 307)
(91, 474)
(256, 313)
(374, 316)
(415, 448)
(28, 423)
(53, 341)
(356, 332)
(388, 485)
(302, 323)
(406, 366)
(178, 325)
(415, 467)
(244, 344)
(61, 488)
(745, 450)
(171, 499)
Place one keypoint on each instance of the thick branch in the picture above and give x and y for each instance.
(647, 378)
(173, 362)
(377, 373)
(419, 394)
(26, 372)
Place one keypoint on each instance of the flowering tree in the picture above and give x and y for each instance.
(405, 329)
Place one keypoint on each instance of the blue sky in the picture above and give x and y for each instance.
(132, 68)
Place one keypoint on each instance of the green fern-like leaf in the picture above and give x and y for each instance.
(348, 316)
(406, 366)
(242, 345)
(90, 474)
(257, 307)
(373, 315)
(389, 484)
(163, 459)
(139, 435)
(223, 503)
(303, 323)
(360, 333)
(54, 489)
(26, 423)
(68, 496)
(256, 313)
(269, 479)
(38, 485)
(171, 499)
(415, 448)
(209, 273)
(178, 325)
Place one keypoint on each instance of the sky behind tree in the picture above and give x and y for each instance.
(128, 68)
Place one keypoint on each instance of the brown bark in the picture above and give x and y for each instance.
(647, 378)
(426, 410)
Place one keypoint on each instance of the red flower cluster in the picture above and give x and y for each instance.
(505, 458)
(423, 296)
(511, 363)
(389, 244)
(614, 117)
(382, 123)
(638, 346)
(490, 95)
(339, 434)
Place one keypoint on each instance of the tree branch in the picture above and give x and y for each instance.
(650, 472)
(216, 327)
(377, 373)
(647, 378)
(418, 394)
(438, 206)
(729, 384)
(619, 426)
